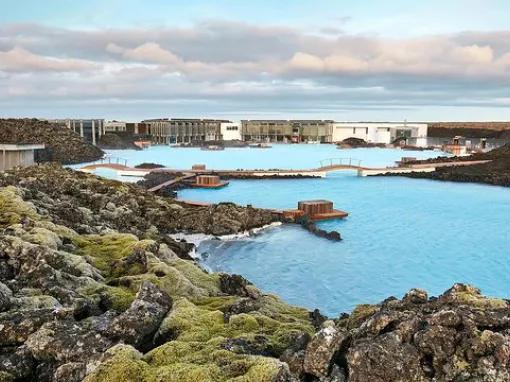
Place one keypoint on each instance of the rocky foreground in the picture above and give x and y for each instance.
(92, 288)
(62, 144)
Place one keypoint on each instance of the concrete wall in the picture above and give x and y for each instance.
(11, 159)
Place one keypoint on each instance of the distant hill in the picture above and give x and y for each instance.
(470, 129)
(62, 145)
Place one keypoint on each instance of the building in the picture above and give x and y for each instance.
(380, 132)
(114, 126)
(169, 131)
(316, 131)
(89, 129)
(14, 155)
(231, 131)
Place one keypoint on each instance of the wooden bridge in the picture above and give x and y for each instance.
(337, 164)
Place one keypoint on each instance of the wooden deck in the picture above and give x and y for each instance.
(170, 182)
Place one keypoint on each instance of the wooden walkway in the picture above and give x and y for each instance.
(327, 166)
(171, 182)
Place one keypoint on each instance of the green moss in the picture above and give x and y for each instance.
(208, 361)
(6, 377)
(124, 364)
(361, 313)
(103, 250)
(260, 372)
(13, 209)
(480, 301)
(117, 298)
(193, 323)
(179, 278)
(42, 236)
(182, 372)
(215, 302)
(244, 323)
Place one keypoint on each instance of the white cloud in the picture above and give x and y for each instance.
(19, 59)
(236, 63)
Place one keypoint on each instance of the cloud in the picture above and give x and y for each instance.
(251, 67)
(19, 59)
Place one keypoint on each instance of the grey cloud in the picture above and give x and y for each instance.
(217, 63)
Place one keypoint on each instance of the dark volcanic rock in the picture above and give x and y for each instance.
(235, 285)
(92, 288)
(62, 144)
(496, 172)
(137, 325)
(117, 141)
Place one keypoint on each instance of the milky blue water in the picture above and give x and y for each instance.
(401, 233)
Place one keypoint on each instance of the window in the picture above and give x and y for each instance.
(366, 131)
(354, 130)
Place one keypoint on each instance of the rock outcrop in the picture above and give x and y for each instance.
(62, 144)
(88, 293)
(92, 289)
(458, 336)
(496, 172)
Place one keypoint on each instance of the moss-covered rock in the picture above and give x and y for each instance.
(13, 209)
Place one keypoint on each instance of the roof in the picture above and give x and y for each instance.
(21, 147)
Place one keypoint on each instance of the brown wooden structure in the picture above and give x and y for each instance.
(209, 181)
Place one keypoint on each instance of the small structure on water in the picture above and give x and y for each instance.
(14, 155)
(209, 181)
(315, 210)
(212, 148)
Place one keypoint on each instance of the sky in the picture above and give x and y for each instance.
(432, 60)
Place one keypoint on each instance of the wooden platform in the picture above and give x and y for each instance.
(335, 214)
(221, 184)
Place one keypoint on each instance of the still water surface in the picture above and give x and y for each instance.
(401, 233)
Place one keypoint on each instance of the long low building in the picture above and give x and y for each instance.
(183, 130)
(170, 131)
(326, 131)
(380, 132)
(287, 130)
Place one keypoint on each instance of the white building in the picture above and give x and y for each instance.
(231, 131)
(114, 126)
(380, 132)
(14, 155)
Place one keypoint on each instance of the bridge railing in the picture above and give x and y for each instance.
(340, 162)
(111, 160)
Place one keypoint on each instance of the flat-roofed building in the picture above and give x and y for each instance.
(17, 155)
(89, 129)
(169, 131)
(319, 131)
(231, 131)
(114, 126)
(380, 132)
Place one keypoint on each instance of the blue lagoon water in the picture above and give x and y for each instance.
(401, 233)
